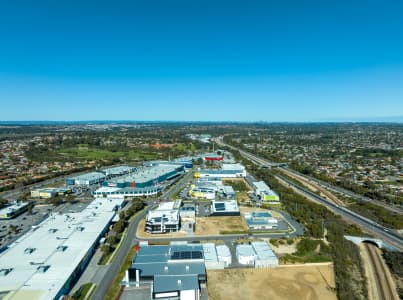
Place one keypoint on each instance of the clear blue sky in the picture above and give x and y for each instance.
(201, 60)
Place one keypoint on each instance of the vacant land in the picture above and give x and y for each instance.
(219, 225)
(303, 282)
(204, 226)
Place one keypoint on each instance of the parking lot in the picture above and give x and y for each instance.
(12, 229)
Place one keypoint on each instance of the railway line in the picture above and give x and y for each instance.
(384, 287)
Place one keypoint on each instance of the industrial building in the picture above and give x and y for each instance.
(225, 208)
(185, 162)
(265, 257)
(214, 180)
(260, 220)
(245, 254)
(208, 193)
(47, 261)
(86, 179)
(13, 210)
(220, 173)
(224, 255)
(164, 219)
(257, 254)
(216, 257)
(227, 192)
(234, 167)
(172, 272)
(205, 189)
(47, 193)
(264, 193)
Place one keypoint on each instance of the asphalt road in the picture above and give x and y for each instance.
(114, 267)
(370, 226)
(340, 190)
(376, 229)
(130, 241)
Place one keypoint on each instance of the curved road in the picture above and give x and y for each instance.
(129, 241)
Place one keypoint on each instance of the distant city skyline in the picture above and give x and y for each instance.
(288, 61)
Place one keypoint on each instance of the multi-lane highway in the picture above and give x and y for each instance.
(370, 226)
(288, 171)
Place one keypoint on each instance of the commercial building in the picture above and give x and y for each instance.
(264, 193)
(114, 192)
(50, 192)
(164, 219)
(172, 272)
(212, 157)
(225, 208)
(47, 261)
(185, 162)
(146, 176)
(146, 181)
(13, 210)
(86, 179)
(260, 220)
(118, 171)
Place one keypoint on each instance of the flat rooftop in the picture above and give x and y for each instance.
(245, 250)
(225, 206)
(237, 167)
(13, 207)
(88, 176)
(263, 250)
(117, 170)
(261, 185)
(223, 251)
(146, 174)
(42, 260)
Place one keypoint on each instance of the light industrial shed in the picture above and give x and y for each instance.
(47, 261)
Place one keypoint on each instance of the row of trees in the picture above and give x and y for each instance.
(115, 235)
(348, 267)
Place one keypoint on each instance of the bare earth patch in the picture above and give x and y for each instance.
(313, 282)
(204, 226)
(213, 225)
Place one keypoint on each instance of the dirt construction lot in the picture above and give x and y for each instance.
(214, 225)
(313, 282)
(204, 226)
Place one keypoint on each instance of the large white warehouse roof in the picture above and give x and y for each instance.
(38, 265)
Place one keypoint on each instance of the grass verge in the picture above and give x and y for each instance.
(114, 289)
(84, 292)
